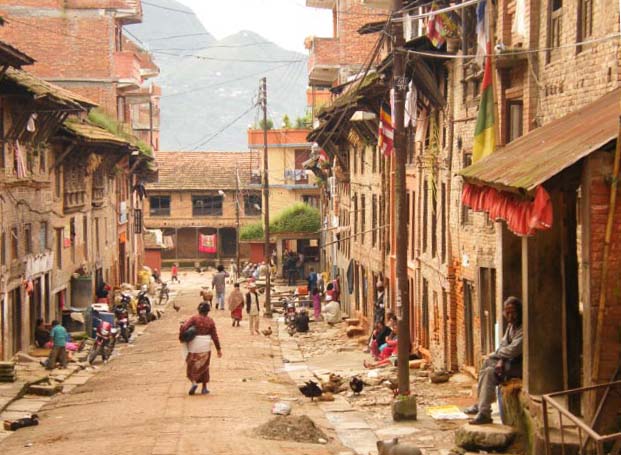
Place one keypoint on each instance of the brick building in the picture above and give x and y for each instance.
(80, 45)
(197, 194)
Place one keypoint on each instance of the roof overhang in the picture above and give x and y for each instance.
(538, 156)
(14, 57)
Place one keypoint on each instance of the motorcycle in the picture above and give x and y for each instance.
(121, 314)
(144, 306)
(105, 341)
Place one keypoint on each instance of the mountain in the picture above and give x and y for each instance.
(207, 84)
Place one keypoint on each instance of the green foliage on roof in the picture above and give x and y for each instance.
(101, 119)
(298, 218)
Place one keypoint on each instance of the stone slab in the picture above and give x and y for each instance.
(484, 437)
(338, 405)
(26, 405)
(363, 442)
(396, 431)
(77, 379)
(347, 421)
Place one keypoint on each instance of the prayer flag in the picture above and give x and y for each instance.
(482, 30)
(386, 131)
(484, 131)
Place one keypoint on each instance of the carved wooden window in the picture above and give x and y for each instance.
(585, 22)
(555, 26)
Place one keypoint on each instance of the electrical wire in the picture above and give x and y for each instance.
(203, 57)
(228, 81)
(224, 128)
(511, 53)
(176, 10)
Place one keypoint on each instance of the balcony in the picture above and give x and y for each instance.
(323, 62)
(127, 69)
(324, 4)
(127, 11)
(379, 4)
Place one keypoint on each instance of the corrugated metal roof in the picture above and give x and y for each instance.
(541, 154)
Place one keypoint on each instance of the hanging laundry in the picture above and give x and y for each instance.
(30, 125)
(411, 99)
(20, 167)
(482, 31)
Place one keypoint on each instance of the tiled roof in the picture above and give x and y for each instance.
(43, 89)
(92, 133)
(203, 170)
(13, 56)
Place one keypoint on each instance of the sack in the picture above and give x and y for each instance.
(189, 334)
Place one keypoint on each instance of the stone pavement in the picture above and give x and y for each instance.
(138, 403)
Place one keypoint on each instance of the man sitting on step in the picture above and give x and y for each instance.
(500, 365)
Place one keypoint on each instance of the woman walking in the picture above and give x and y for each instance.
(236, 305)
(198, 349)
(316, 304)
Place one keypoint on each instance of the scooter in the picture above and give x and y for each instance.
(121, 314)
(144, 306)
(105, 341)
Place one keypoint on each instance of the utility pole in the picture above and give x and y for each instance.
(237, 218)
(266, 203)
(403, 351)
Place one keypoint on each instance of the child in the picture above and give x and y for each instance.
(316, 297)
(174, 272)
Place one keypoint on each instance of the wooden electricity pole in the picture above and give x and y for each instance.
(237, 221)
(399, 84)
(266, 203)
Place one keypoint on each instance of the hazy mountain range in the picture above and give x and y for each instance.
(207, 84)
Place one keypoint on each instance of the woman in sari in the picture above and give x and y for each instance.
(236, 305)
(198, 350)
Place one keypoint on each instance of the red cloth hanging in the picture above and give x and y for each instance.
(207, 243)
(523, 216)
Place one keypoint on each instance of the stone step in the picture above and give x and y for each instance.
(489, 437)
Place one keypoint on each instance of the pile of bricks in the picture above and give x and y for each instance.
(7, 372)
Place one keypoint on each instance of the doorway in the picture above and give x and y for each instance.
(468, 322)
(487, 308)
(16, 311)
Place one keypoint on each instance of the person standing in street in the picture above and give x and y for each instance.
(316, 297)
(379, 308)
(299, 265)
(174, 272)
(218, 282)
(312, 280)
(253, 308)
(236, 305)
(59, 337)
(198, 349)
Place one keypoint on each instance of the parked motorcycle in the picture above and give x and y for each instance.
(105, 341)
(121, 314)
(144, 306)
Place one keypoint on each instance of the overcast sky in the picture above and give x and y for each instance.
(285, 22)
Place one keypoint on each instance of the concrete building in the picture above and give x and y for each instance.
(198, 194)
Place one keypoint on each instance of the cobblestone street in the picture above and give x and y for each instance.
(139, 404)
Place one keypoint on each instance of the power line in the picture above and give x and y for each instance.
(202, 57)
(227, 81)
(224, 128)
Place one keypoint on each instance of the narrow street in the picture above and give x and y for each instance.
(139, 404)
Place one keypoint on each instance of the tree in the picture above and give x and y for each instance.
(270, 124)
(286, 122)
(304, 122)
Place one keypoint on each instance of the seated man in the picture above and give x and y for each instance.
(504, 363)
(301, 321)
(332, 311)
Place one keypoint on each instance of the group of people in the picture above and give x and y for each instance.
(293, 266)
